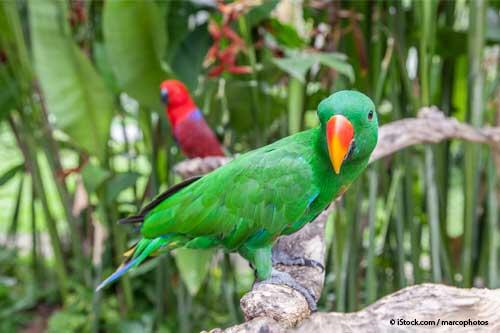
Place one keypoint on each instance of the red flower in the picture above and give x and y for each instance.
(225, 59)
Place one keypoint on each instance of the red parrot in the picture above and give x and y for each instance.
(188, 125)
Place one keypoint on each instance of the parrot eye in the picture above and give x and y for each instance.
(370, 115)
(164, 96)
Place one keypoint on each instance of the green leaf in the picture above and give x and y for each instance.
(295, 66)
(193, 267)
(177, 22)
(188, 60)
(14, 224)
(242, 107)
(298, 63)
(120, 182)
(104, 67)
(94, 176)
(260, 13)
(336, 61)
(9, 174)
(135, 40)
(75, 94)
(286, 34)
(9, 92)
(9, 86)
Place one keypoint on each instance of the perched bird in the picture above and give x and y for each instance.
(275, 190)
(189, 127)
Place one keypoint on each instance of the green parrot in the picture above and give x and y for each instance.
(245, 205)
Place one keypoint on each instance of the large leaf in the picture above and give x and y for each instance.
(298, 63)
(193, 266)
(9, 56)
(286, 34)
(75, 94)
(135, 40)
(336, 61)
(94, 176)
(120, 182)
(177, 16)
(295, 66)
(188, 60)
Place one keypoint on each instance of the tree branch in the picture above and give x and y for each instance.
(281, 304)
(431, 126)
(428, 302)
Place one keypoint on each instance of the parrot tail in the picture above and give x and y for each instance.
(141, 251)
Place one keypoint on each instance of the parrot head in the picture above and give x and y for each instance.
(173, 93)
(177, 100)
(350, 127)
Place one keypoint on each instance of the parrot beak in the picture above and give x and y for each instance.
(339, 136)
(164, 96)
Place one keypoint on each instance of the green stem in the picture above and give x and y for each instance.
(415, 226)
(52, 154)
(295, 105)
(399, 219)
(255, 88)
(433, 212)
(34, 238)
(371, 274)
(354, 241)
(494, 231)
(27, 147)
(228, 288)
(472, 155)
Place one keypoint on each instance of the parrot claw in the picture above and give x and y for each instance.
(284, 259)
(282, 278)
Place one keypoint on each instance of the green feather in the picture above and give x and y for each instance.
(246, 204)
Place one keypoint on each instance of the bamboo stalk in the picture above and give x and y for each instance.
(400, 225)
(342, 232)
(295, 105)
(433, 211)
(228, 288)
(252, 58)
(27, 147)
(34, 238)
(428, 16)
(472, 156)
(354, 244)
(494, 231)
(51, 150)
(12, 230)
(371, 273)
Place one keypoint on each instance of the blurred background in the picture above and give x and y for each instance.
(85, 141)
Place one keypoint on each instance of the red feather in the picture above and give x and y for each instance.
(194, 136)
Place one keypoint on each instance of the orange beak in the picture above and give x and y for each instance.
(339, 135)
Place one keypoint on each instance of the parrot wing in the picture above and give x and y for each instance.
(196, 138)
(256, 195)
(169, 192)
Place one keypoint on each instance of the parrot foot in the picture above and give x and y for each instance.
(282, 258)
(282, 278)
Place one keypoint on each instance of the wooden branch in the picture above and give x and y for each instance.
(281, 304)
(425, 302)
(431, 126)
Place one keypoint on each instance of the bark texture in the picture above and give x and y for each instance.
(272, 308)
(425, 302)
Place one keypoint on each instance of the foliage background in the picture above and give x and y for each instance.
(79, 90)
